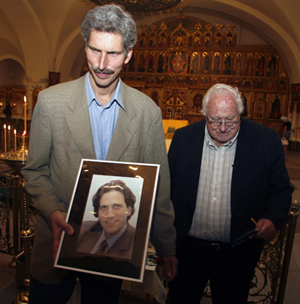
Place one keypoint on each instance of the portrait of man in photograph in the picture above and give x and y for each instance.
(112, 235)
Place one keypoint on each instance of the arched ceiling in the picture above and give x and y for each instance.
(45, 35)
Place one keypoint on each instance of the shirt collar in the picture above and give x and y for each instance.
(209, 142)
(112, 240)
(91, 96)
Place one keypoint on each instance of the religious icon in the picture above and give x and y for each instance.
(161, 63)
(276, 108)
(248, 65)
(151, 62)
(238, 64)
(162, 41)
(205, 63)
(272, 66)
(195, 63)
(258, 109)
(54, 78)
(207, 42)
(216, 64)
(197, 42)
(260, 66)
(197, 103)
(178, 62)
(227, 64)
(142, 62)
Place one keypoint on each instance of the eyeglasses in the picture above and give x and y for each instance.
(228, 123)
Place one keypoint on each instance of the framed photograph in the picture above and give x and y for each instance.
(111, 212)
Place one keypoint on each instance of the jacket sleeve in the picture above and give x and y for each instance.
(260, 183)
(163, 232)
(279, 189)
(37, 169)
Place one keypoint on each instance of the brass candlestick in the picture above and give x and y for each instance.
(16, 160)
(26, 236)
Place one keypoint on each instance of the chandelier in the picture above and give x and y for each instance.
(144, 6)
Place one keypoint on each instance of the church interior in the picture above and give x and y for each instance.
(180, 53)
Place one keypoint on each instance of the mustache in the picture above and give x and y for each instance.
(102, 71)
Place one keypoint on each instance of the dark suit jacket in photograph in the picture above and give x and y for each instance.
(122, 248)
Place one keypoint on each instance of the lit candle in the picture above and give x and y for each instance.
(15, 132)
(25, 113)
(5, 143)
(8, 128)
(24, 134)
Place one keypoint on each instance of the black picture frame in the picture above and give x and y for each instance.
(142, 179)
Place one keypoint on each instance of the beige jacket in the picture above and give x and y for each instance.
(61, 136)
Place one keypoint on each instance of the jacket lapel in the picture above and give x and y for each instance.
(195, 158)
(78, 121)
(125, 127)
(243, 161)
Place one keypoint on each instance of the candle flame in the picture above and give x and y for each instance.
(4, 126)
(15, 131)
(25, 99)
(24, 133)
(8, 127)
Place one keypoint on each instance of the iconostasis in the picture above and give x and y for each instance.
(177, 60)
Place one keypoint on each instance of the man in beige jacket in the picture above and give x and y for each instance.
(94, 117)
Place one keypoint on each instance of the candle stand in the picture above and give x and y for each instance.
(13, 182)
(16, 161)
(27, 237)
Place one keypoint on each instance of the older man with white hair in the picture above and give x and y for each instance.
(231, 192)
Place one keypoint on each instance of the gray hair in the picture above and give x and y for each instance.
(220, 88)
(110, 19)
